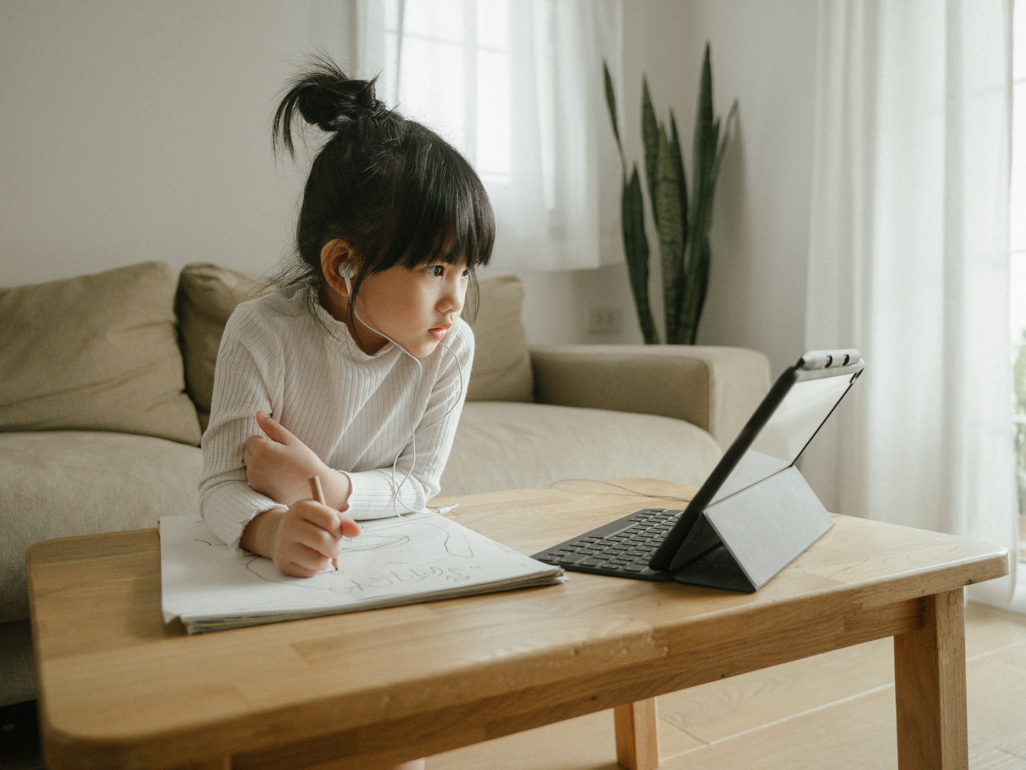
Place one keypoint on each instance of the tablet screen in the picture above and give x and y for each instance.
(790, 428)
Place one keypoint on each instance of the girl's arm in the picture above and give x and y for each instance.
(279, 465)
(247, 379)
(246, 503)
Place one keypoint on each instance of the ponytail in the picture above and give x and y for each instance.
(325, 97)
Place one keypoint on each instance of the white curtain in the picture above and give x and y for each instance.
(909, 262)
(517, 86)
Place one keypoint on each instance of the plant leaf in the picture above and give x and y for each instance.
(705, 151)
(703, 122)
(636, 250)
(702, 278)
(679, 160)
(728, 124)
(670, 224)
(611, 104)
(650, 129)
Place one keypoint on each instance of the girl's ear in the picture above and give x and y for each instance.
(336, 262)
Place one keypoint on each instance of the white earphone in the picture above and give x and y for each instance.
(345, 270)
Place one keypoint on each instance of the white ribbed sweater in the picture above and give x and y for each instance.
(358, 413)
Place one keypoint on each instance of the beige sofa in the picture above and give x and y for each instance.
(106, 387)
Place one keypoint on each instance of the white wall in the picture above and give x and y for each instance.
(140, 129)
(764, 53)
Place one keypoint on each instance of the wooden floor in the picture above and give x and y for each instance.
(831, 711)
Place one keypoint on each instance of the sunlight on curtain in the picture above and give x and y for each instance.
(909, 263)
(1018, 257)
(517, 86)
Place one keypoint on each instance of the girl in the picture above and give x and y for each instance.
(356, 370)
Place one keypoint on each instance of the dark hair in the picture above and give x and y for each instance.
(392, 188)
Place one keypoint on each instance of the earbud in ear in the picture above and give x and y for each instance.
(345, 270)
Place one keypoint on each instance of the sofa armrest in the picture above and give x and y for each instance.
(715, 388)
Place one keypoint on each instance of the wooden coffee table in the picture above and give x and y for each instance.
(118, 688)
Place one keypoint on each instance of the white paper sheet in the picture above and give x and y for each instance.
(393, 561)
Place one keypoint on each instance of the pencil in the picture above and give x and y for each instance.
(318, 494)
(316, 490)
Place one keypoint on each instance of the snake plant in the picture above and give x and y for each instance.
(681, 222)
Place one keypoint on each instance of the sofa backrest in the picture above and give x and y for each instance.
(97, 352)
(502, 363)
(207, 295)
(133, 349)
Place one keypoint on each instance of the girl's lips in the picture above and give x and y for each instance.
(439, 332)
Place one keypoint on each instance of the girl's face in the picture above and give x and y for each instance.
(414, 308)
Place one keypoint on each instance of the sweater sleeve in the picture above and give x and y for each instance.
(415, 477)
(247, 371)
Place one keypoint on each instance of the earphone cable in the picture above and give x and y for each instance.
(412, 443)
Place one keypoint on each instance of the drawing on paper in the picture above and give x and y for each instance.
(380, 559)
(394, 561)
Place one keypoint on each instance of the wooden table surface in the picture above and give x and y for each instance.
(119, 688)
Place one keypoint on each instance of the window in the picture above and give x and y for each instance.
(516, 85)
(470, 41)
(1018, 257)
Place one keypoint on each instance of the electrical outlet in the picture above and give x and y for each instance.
(604, 320)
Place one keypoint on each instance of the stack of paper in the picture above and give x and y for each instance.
(418, 558)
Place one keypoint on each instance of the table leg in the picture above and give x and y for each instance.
(929, 687)
(637, 747)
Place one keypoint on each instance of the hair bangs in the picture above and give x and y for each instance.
(442, 209)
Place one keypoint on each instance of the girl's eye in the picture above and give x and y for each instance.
(436, 271)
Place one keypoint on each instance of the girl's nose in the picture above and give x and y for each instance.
(453, 296)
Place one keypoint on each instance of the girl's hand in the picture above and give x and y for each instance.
(301, 541)
(279, 466)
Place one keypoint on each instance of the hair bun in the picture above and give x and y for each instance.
(327, 98)
(330, 103)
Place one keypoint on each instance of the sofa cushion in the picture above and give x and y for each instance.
(207, 295)
(97, 352)
(535, 445)
(502, 364)
(66, 483)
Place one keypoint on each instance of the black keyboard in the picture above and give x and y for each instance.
(621, 548)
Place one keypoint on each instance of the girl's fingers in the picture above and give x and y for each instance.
(327, 518)
(321, 528)
(316, 540)
(303, 561)
(348, 527)
(272, 428)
